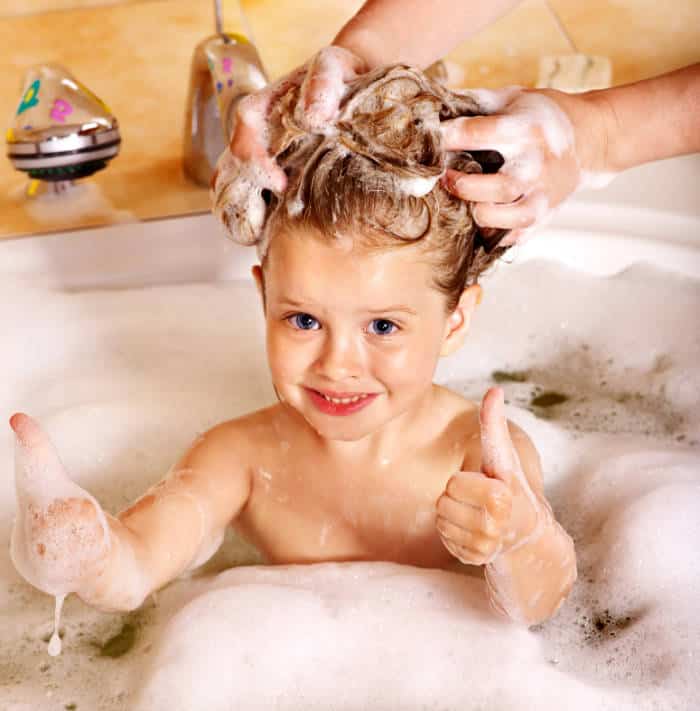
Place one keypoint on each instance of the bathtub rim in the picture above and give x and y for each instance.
(192, 248)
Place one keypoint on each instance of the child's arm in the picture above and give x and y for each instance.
(175, 526)
(500, 518)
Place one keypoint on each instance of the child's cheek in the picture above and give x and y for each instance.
(411, 364)
(287, 355)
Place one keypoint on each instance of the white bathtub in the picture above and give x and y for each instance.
(124, 367)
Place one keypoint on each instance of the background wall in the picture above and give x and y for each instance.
(135, 54)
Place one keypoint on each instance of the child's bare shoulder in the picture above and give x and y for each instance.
(458, 420)
(237, 443)
(465, 420)
(457, 408)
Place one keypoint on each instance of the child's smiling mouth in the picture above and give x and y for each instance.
(332, 403)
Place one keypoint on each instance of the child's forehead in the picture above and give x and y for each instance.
(307, 263)
(298, 243)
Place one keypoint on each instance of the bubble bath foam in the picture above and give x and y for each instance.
(602, 371)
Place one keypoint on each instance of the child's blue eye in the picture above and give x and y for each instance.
(304, 322)
(382, 327)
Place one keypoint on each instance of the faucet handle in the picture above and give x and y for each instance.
(225, 68)
(236, 70)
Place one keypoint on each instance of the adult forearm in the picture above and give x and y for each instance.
(650, 120)
(530, 583)
(416, 32)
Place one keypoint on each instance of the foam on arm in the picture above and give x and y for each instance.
(176, 526)
(529, 582)
(63, 542)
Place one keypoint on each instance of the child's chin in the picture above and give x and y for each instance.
(340, 429)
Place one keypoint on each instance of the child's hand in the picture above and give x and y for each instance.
(483, 514)
(61, 537)
(548, 140)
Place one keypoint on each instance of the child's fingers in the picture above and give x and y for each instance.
(498, 458)
(473, 554)
(468, 517)
(477, 187)
(27, 430)
(39, 456)
(475, 489)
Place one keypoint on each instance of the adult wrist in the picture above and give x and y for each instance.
(362, 43)
(602, 138)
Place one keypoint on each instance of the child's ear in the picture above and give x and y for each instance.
(257, 273)
(458, 321)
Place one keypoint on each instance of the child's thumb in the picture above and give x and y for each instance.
(36, 458)
(497, 456)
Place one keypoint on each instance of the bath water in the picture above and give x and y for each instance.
(602, 372)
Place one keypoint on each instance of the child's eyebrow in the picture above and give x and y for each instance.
(300, 303)
(294, 303)
(387, 309)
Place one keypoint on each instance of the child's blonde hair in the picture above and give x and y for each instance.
(373, 174)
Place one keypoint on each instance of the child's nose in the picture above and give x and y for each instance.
(340, 358)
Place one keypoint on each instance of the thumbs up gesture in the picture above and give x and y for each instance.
(483, 514)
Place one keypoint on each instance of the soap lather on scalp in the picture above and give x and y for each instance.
(386, 134)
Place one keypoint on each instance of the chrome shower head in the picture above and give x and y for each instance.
(61, 130)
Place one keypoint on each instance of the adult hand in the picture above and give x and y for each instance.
(550, 143)
(322, 81)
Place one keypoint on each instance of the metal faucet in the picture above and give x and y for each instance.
(225, 67)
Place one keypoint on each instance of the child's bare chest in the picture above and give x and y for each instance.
(299, 513)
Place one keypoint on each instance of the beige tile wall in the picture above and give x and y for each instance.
(135, 54)
(10, 8)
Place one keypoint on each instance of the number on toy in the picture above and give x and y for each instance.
(61, 109)
(30, 98)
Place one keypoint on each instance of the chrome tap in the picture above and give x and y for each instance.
(225, 67)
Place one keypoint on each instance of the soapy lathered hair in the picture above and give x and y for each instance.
(373, 174)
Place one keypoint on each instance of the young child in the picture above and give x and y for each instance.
(367, 277)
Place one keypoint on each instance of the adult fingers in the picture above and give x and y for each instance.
(476, 187)
(249, 139)
(481, 133)
(323, 87)
(517, 237)
(515, 215)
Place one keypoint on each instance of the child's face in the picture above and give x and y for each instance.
(353, 337)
